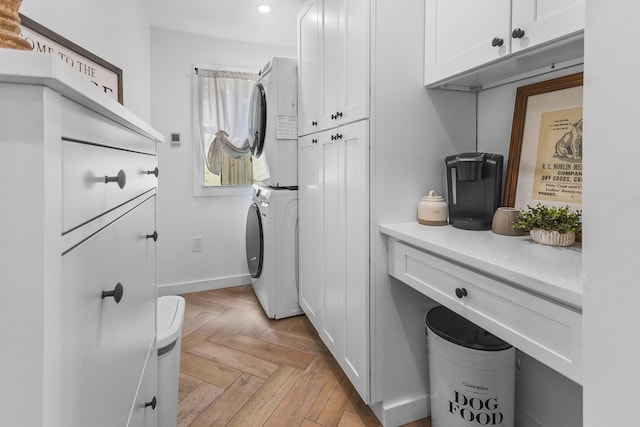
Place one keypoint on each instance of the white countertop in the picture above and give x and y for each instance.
(26, 67)
(551, 272)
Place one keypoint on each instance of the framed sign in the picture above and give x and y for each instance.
(545, 153)
(104, 75)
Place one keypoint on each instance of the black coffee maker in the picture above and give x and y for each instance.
(474, 184)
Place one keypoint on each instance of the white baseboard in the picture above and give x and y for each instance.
(203, 285)
(403, 411)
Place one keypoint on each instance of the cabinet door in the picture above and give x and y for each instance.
(309, 56)
(354, 90)
(460, 33)
(333, 193)
(105, 343)
(355, 205)
(311, 256)
(345, 64)
(545, 20)
(345, 318)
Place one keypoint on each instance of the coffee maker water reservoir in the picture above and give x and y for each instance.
(474, 184)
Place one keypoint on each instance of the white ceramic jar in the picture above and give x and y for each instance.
(433, 210)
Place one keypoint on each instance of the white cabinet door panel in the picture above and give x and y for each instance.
(545, 20)
(459, 35)
(333, 215)
(309, 58)
(356, 255)
(311, 253)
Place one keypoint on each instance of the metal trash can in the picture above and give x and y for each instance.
(170, 319)
(471, 371)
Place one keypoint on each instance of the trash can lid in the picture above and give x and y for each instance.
(458, 330)
(170, 318)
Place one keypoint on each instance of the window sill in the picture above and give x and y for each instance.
(241, 190)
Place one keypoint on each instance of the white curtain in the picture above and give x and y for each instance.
(223, 102)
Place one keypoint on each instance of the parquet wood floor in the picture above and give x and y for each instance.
(240, 368)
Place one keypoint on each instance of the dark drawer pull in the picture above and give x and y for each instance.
(461, 292)
(152, 403)
(153, 236)
(116, 293)
(497, 42)
(155, 172)
(121, 179)
(314, 123)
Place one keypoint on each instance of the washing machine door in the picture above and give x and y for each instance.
(254, 241)
(257, 120)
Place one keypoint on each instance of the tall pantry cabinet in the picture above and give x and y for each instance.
(372, 143)
(333, 179)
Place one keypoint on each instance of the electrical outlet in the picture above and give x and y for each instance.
(196, 244)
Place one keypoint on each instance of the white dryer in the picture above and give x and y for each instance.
(272, 249)
(273, 124)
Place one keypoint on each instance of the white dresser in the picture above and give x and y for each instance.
(77, 237)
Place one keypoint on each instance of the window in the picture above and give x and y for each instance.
(221, 123)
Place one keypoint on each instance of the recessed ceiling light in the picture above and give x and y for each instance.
(264, 8)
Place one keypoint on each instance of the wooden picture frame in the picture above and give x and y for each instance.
(545, 151)
(103, 74)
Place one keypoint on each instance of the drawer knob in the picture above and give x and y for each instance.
(152, 403)
(314, 141)
(517, 33)
(314, 123)
(155, 172)
(116, 293)
(497, 42)
(153, 236)
(121, 179)
(461, 292)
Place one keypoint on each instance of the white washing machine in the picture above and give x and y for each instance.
(273, 124)
(272, 249)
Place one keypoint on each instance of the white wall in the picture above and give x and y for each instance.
(116, 31)
(412, 131)
(220, 220)
(611, 203)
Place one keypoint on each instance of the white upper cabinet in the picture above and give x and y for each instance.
(333, 57)
(538, 21)
(466, 35)
(309, 55)
(460, 35)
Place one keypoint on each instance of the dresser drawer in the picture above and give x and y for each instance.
(105, 343)
(86, 195)
(144, 411)
(544, 329)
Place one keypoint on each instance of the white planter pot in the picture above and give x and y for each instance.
(553, 238)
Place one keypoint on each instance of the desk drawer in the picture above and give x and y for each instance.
(104, 344)
(548, 331)
(86, 195)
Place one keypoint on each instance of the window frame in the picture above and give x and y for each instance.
(198, 187)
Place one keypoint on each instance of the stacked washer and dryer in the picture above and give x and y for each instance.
(272, 219)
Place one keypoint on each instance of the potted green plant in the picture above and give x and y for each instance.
(550, 225)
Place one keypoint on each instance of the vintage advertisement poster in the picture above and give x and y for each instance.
(558, 167)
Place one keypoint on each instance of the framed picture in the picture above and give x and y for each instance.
(545, 153)
(103, 74)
